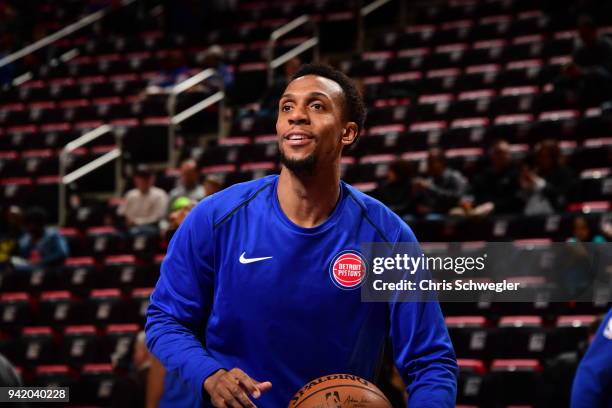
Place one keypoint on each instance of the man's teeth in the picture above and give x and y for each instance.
(297, 137)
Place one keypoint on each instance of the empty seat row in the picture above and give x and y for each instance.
(557, 227)
(517, 336)
(83, 273)
(65, 308)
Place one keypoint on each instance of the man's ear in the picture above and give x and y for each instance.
(350, 133)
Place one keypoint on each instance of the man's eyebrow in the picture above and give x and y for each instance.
(314, 94)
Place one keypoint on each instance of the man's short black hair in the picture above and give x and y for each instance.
(354, 108)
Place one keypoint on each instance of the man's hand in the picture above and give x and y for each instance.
(232, 389)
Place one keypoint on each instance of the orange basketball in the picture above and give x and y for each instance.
(339, 391)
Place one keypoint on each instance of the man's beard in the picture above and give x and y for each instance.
(299, 167)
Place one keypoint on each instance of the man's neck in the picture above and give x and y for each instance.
(308, 201)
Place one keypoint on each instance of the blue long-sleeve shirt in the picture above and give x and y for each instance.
(593, 382)
(284, 318)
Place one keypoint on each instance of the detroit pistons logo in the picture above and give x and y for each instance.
(348, 270)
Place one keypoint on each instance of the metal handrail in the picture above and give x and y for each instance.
(177, 118)
(365, 10)
(274, 63)
(189, 112)
(51, 38)
(303, 47)
(65, 179)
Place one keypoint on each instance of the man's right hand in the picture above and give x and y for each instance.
(231, 389)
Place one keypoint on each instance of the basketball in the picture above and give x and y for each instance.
(339, 391)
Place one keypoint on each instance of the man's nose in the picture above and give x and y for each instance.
(298, 116)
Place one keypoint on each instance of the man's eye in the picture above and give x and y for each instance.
(317, 106)
(286, 108)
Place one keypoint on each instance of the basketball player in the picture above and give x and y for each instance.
(593, 382)
(246, 309)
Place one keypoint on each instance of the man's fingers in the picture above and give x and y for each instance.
(230, 400)
(264, 386)
(247, 383)
(244, 399)
(235, 394)
(218, 402)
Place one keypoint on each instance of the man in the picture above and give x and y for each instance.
(144, 205)
(41, 245)
(593, 382)
(246, 309)
(441, 189)
(396, 192)
(496, 187)
(588, 78)
(189, 184)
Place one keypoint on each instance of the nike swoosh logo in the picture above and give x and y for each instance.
(244, 260)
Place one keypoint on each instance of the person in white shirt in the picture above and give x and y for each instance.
(145, 205)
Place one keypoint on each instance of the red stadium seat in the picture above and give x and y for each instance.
(80, 273)
(123, 271)
(55, 376)
(118, 342)
(15, 309)
(103, 241)
(105, 305)
(471, 384)
(140, 303)
(97, 384)
(514, 382)
(81, 345)
(470, 336)
(572, 330)
(59, 307)
(522, 336)
(37, 346)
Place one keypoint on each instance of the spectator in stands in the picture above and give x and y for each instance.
(544, 186)
(145, 205)
(130, 391)
(495, 189)
(41, 245)
(441, 188)
(10, 234)
(189, 183)
(588, 78)
(182, 205)
(173, 70)
(178, 211)
(214, 58)
(584, 231)
(396, 192)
